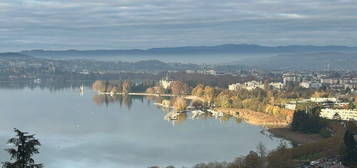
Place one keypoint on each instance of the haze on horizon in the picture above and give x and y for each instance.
(128, 24)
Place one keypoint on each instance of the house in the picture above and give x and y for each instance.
(330, 81)
(323, 99)
(234, 87)
(339, 114)
(291, 78)
(310, 84)
(290, 106)
(276, 85)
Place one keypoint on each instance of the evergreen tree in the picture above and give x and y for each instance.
(307, 122)
(25, 147)
(350, 152)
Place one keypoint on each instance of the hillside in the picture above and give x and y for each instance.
(218, 49)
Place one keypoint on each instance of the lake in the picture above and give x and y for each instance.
(84, 131)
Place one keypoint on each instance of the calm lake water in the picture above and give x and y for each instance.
(83, 132)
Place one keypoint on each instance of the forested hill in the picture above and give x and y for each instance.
(13, 55)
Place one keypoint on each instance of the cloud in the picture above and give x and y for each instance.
(159, 23)
(292, 15)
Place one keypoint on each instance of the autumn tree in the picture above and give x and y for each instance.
(180, 104)
(280, 158)
(114, 90)
(126, 86)
(198, 90)
(179, 88)
(318, 94)
(100, 86)
(150, 90)
(25, 147)
(223, 99)
(209, 94)
(159, 89)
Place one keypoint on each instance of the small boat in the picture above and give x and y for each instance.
(216, 113)
(171, 116)
(196, 113)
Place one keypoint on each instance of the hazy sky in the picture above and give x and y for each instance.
(122, 24)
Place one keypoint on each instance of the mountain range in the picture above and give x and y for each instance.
(222, 49)
(293, 57)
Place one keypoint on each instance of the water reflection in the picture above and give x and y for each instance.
(170, 114)
(126, 100)
(53, 86)
(121, 131)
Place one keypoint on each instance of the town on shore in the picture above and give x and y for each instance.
(315, 110)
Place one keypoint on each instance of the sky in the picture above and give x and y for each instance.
(128, 24)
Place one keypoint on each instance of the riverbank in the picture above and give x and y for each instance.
(256, 118)
(189, 97)
(276, 126)
(294, 137)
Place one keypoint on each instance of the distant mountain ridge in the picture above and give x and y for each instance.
(224, 49)
(13, 55)
(308, 61)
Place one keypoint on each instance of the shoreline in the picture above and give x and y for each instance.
(277, 127)
(294, 137)
(255, 118)
(189, 97)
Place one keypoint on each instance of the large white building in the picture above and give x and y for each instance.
(308, 84)
(323, 99)
(291, 78)
(251, 85)
(340, 114)
(330, 81)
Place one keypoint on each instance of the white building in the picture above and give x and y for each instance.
(304, 84)
(211, 72)
(323, 99)
(234, 87)
(340, 114)
(190, 71)
(165, 83)
(276, 85)
(329, 81)
(291, 78)
(290, 106)
(308, 84)
(251, 85)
